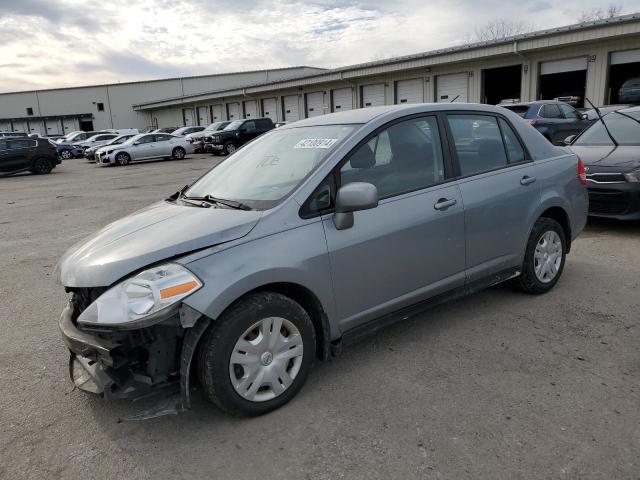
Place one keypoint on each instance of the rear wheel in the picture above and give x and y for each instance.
(178, 153)
(41, 166)
(545, 257)
(123, 158)
(258, 354)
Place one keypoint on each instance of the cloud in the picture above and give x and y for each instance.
(52, 43)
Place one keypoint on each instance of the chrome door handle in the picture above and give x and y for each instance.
(444, 203)
(527, 180)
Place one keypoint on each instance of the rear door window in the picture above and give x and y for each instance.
(478, 143)
(551, 110)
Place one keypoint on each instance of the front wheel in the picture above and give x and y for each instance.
(66, 154)
(544, 258)
(178, 153)
(123, 158)
(257, 355)
(229, 148)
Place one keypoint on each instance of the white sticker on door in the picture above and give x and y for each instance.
(316, 143)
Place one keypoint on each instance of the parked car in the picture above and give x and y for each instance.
(554, 120)
(612, 162)
(236, 134)
(316, 234)
(25, 154)
(90, 152)
(592, 115)
(573, 100)
(184, 131)
(145, 146)
(630, 91)
(197, 138)
(78, 136)
(96, 141)
(13, 134)
(165, 130)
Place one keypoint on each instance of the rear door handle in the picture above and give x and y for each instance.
(444, 203)
(527, 180)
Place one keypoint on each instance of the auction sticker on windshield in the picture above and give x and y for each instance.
(316, 143)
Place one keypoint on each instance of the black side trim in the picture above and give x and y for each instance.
(373, 326)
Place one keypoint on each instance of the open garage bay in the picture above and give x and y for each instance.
(500, 385)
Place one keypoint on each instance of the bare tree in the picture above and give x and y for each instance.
(499, 29)
(613, 10)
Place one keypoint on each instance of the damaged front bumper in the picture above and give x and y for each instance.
(131, 363)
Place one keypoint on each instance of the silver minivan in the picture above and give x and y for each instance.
(310, 237)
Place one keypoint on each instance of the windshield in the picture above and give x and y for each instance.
(268, 169)
(213, 126)
(119, 140)
(233, 125)
(624, 128)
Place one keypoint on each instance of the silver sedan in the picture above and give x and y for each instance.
(145, 146)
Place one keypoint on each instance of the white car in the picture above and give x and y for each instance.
(145, 146)
(197, 138)
(96, 140)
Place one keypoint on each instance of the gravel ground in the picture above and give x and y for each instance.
(500, 385)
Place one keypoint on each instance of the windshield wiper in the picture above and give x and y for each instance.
(219, 201)
(602, 120)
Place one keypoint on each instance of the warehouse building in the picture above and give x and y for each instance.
(586, 60)
(62, 110)
(589, 60)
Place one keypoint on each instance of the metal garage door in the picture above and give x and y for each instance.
(290, 107)
(187, 116)
(52, 126)
(251, 109)
(36, 126)
(341, 99)
(216, 113)
(69, 125)
(626, 56)
(270, 108)
(410, 91)
(5, 126)
(451, 86)
(561, 66)
(372, 95)
(233, 111)
(203, 116)
(315, 104)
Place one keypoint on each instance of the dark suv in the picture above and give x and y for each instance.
(237, 134)
(555, 120)
(21, 154)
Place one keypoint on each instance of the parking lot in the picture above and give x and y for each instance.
(499, 385)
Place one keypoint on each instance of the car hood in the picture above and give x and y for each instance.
(622, 159)
(161, 231)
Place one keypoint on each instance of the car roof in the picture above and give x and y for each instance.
(365, 115)
(632, 111)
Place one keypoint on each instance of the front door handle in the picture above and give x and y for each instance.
(444, 203)
(527, 180)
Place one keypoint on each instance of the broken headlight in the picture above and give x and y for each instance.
(139, 298)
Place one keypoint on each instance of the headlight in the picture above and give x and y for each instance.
(139, 298)
(633, 177)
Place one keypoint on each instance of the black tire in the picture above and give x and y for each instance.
(41, 166)
(122, 159)
(229, 148)
(528, 281)
(178, 153)
(66, 154)
(216, 347)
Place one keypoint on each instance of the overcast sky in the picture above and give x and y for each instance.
(54, 43)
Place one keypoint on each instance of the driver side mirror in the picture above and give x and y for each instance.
(353, 197)
(569, 140)
(584, 116)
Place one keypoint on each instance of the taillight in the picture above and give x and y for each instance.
(582, 172)
(532, 123)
